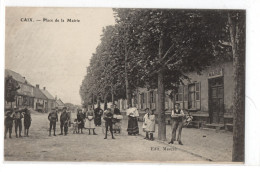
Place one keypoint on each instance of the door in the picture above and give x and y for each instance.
(216, 100)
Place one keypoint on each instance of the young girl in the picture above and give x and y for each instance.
(147, 111)
(150, 124)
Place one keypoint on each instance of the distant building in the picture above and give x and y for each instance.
(59, 104)
(50, 100)
(25, 96)
(40, 100)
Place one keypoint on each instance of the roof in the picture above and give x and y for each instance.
(60, 103)
(37, 93)
(47, 94)
(16, 76)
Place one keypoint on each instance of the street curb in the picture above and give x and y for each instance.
(183, 150)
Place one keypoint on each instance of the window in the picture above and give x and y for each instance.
(188, 96)
(179, 94)
(151, 97)
(185, 99)
(143, 100)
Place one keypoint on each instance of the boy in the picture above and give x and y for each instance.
(9, 123)
(108, 118)
(18, 122)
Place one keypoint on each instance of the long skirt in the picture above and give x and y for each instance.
(132, 127)
(97, 120)
(89, 124)
(81, 125)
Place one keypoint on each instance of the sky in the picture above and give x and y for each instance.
(54, 54)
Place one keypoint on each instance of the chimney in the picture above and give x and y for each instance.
(56, 97)
(44, 88)
(37, 86)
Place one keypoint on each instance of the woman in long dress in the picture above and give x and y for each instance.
(90, 124)
(132, 127)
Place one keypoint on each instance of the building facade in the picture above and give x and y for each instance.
(25, 96)
(207, 96)
(40, 100)
(50, 100)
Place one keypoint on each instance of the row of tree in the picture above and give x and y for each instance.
(154, 48)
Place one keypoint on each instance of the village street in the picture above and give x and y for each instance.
(83, 147)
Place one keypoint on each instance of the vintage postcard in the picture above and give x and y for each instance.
(124, 85)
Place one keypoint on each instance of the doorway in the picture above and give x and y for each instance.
(216, 100)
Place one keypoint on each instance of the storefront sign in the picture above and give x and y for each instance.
(215, 73)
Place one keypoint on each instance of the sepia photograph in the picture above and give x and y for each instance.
(147, 85)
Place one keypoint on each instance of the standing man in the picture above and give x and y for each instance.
(98, 113)
(108, 122)
(177, 122)
(18, 122)
(27, 121)
(53, 118)
(64, 120)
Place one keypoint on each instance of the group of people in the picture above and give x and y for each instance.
(90, 119)
(87, 120)
(16, 116)
(64, 121)
(179, 120)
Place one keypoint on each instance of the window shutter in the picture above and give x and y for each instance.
(198, 95)
(155, 97)
(139, 100)
(145, 100)
(166, 102)
(185, 97)
(149, 97)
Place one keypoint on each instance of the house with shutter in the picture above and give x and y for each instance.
(50, 100)
(40, 100)
(207, 96)
(25, 96)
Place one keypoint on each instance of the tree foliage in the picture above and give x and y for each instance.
(11, 87)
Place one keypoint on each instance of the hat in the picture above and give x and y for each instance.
(177, 104)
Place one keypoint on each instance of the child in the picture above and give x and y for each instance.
(27, 121)
(75, 126)
(147, 111)
(9, 123)
(150, 124)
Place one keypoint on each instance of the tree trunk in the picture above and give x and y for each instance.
(105, 102)
(113, 96)
(238, 46)
(161, 100)
(98, 101)
(93, 101)
(128, 91)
